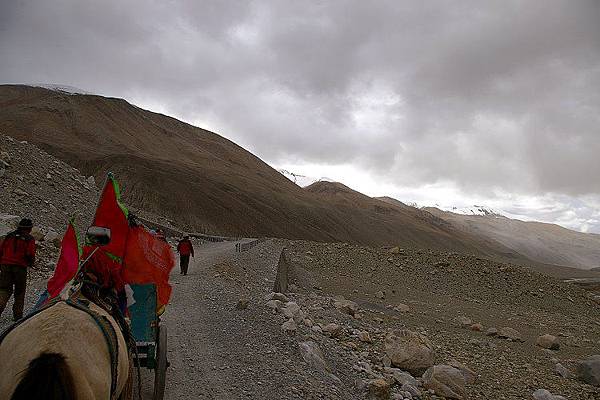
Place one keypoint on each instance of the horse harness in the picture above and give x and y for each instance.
(107, 329)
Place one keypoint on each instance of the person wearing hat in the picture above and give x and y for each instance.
(185, 249)
(17, 253)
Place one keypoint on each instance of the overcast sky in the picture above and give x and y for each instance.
(434, 102)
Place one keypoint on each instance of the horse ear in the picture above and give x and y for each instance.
(97, 235)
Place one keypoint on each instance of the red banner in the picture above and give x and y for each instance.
(68, 262)
(148, 260)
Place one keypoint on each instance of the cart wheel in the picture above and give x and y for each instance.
(160, 373)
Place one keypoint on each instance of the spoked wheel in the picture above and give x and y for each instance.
(160, 373)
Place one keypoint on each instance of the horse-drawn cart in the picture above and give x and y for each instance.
(150, 337)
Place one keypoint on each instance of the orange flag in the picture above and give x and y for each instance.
(148, 260)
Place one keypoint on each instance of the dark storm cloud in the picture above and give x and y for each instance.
(500, 95)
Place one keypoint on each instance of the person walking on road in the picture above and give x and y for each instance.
(185, 249)
(17, 253)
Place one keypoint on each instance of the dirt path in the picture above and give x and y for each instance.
(219, 352)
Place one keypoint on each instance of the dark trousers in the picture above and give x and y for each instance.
(184, 261)
(13, 279)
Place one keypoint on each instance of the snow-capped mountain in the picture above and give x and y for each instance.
(472, 210)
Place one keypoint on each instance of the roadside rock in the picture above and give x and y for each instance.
(346, 307)
(8, 223)
(543, 394)
(334, 330)
(477, 327)
(468, 373)
(312, 354)
(548, 342)
(462, 321)
(562, 371)
(445, 381)
(402, 308)
(378, 389)
(289, 326)
(277, 296)
(589, 370)
(364, 337)
(242, 304)
(409, 351)
(510, 334)
(491, 332)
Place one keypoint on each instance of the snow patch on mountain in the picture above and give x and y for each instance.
(302, 180)
(61, 88)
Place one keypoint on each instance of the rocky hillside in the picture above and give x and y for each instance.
(204, 182)
(36, 185)
(431, 325)
(540, 242)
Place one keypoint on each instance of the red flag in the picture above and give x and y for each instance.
(68, 262)
(112, 214)
(149, 260)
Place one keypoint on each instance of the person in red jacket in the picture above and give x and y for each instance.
(17, 253)
(185, 248)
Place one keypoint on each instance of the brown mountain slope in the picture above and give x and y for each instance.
(206, 182)
(541, 242)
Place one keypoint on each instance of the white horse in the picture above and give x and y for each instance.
(62, 353)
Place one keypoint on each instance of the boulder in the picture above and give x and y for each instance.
(589, 370)
(380, 294)
(52, 237)
(8, 223)
(395, 250)
(468, 373)
(401, 377)
(415, 393)
(346, 307)
(510, 334)
(548, 342)
(409, 351)
(445, 381)
(37, 233)
(312, 354)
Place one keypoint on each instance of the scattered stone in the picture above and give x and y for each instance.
(291, 310)
(409, 351)
(402, 308)
(462, 321)
(346, 307)
(510, 334)
(548, 342)
(276, 305)
(491, 332)
(380, 294)
(378, 389)
(242, 304)
(277, 296)
(401, 377)
(589, 370)
(334, 330)
(289, 326)
(562, 371)
(414, 392)
(312, 354)
(543, 394)
(445, 381)
(364, 337)
(477, 327)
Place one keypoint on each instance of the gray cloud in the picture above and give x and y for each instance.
(501, 95)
